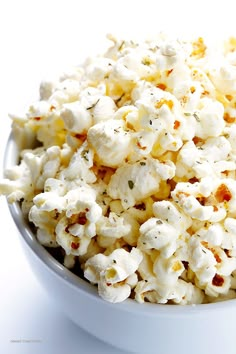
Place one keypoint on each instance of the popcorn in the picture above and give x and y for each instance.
(115, 274)
(104, 109)
(82, 206)
(45, 222)
(39, 109)
(73, 243)
(110, 142)
(42, 165)
(202, 261)
(69, 261)
(168, 270)
(127, 165)
(79, 168)
(65, 92)
(211, 122)
(165, 210)
(183, 293)
(127, 182)
(76, 118)
(224, 78)
(46, 89)
(158, 234)
(99, 68)
(142, 211)
(130, 114)
(17, 184)
(49, 201)
(112, 226)
(188, 196)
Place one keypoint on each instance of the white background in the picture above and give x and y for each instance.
(38, 38)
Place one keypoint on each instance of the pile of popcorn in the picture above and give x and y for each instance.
(128, 162)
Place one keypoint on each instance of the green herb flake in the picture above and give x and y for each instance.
(93, 105)
(196, 117)
(159, 222)
(121, 46)
(187, 114)
(131, 184)
(146, 61)
(120, 98)
(142, 163)
(84, 154)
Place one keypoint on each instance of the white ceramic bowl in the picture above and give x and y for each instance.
(140, 328)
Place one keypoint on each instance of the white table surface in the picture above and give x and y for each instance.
(37, 38)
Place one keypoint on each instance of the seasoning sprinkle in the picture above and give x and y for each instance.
(84, 154)
(196, 117)
(131, 184)
(93, 105)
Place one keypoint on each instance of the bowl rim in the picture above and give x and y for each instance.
(11, 158)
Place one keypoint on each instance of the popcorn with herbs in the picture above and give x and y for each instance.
(115, 274)
(210, 122)
(210, 158)
(65, 91)
(202, 261)
(127, 182)
(104, 109)
(136, 149)
(99, 68)
(112, 226)
(144, 142)
(79, 169)
(159, 235)
(142, 211)
(76, 118)
(166, 210)
(130, 114)
(110, 141)
(194, 198)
